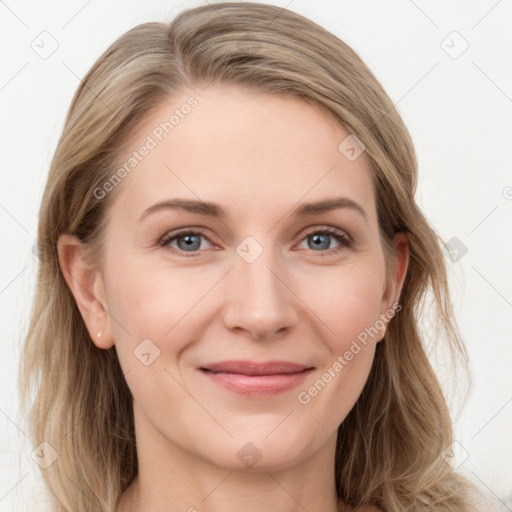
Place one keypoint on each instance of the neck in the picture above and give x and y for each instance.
(171, 479)
(231, 492)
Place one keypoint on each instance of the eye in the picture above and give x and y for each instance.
(191, 241)
(186, 241)
(321, 239)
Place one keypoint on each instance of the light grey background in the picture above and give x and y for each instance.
(456, 102)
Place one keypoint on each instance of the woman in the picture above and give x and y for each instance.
(232, 268)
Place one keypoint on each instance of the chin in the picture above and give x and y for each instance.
(261, 451)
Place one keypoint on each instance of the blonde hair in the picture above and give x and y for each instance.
(389, 445)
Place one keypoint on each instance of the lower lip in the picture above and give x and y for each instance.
(267, 385)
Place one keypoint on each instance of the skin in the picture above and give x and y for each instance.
(258, 156)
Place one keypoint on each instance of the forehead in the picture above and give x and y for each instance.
(241, 149)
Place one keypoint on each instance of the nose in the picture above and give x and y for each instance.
(260, 300)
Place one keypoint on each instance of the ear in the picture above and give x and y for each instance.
(395, 279)
(86, 285)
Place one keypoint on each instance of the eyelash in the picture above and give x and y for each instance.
(340, 236)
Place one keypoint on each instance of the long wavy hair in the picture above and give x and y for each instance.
(389, 446)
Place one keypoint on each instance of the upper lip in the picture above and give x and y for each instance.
(256, 368)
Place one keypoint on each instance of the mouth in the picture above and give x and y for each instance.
(256, 378)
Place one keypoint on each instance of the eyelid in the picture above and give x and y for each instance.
(330, 230)
(170, 235)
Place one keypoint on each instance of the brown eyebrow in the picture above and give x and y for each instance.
(327, 205)
(214, 210)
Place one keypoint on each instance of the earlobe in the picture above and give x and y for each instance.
(86, 286)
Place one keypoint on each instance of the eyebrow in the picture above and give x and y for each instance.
(214, 210)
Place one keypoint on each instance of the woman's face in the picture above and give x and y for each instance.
(245, 321)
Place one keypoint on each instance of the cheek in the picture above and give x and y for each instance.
(145, 305)
(150, 311)
(348, 301)
(158, 303)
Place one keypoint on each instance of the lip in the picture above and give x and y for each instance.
(256, 378)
